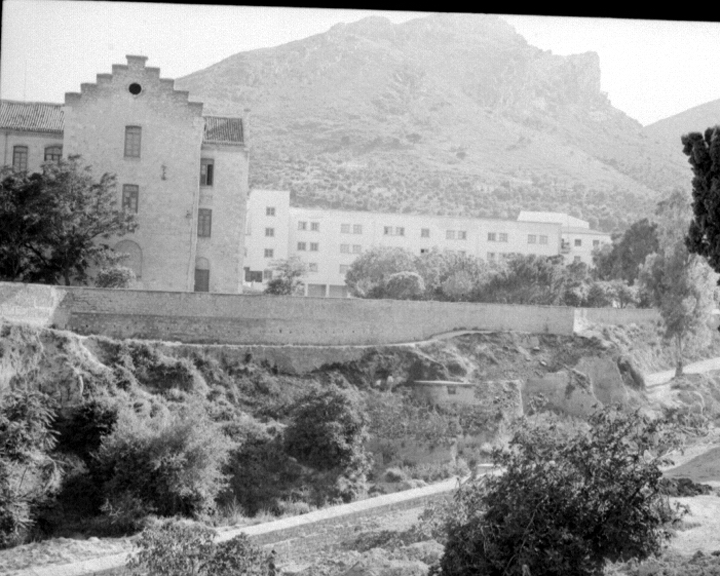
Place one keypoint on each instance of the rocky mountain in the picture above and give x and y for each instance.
(445, 114)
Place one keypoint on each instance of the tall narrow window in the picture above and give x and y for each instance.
(20, 158)
(269, 232)
(302, 225)
(132, 141)
(357, 228)
(207, 171)
(53, 153)
(315, 226)
(314, 247)
(204, 222)
(130, 198)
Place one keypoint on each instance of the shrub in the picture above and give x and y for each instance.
(327, 429)
(327, 432)
(405, 286)
(114, 277)
(260, 472)
(566, 502)
(28, 475)
(82, 428)
(166, 464)
(187, 549)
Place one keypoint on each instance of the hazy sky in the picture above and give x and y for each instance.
(650, 69)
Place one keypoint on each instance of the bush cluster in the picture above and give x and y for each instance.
(175, 548)
(566, 502)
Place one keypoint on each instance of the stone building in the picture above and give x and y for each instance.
(184, 174)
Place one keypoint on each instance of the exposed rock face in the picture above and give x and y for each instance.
(605, 378)
(565, 391)
(433, 115)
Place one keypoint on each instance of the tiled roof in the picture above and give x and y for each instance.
(31, 116)
(223, 130)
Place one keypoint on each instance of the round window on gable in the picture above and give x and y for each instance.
(135, 88)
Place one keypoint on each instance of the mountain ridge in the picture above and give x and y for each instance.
(446, 114)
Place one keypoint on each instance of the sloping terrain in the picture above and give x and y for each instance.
(668, 131)
(71, 367)
(447, 114)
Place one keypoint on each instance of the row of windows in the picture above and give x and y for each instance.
(533, 239)
(314, 226)
(346, 229)
(345, 249)
(20, 156)
(493, 237)
(302, 246)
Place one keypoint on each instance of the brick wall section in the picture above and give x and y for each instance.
(277, 320)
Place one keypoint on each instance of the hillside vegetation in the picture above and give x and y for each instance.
(120, 406)
(369, 116)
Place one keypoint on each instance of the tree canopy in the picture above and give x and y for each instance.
(53, 223)
(703, 152)
(623, 259)
(568, 500)
(678, 282)
(287, 277)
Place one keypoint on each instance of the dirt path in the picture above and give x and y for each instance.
(659, 378)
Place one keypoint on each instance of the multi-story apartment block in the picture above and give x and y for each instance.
(185, 175)
(578, 240)
(330, 240)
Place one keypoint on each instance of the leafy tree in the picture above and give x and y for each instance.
(703, 152)
(451, 276)
(327, 432)
(528, 279)
(287, 277)
(679, 283)
(405, 286)
(54, 222)
(566, 502)
(167, 464)
(28, 475)
(369, 272)
(628, 253)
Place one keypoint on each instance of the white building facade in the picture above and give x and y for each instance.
(330, 240)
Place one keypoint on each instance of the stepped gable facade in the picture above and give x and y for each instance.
(185, 175)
